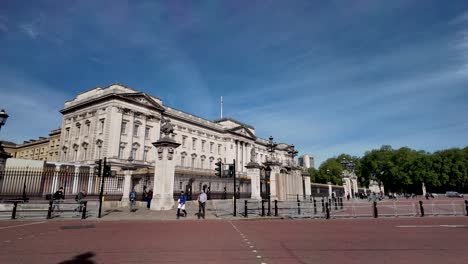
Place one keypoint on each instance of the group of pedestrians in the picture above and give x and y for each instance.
(202, 198)
(59, 197)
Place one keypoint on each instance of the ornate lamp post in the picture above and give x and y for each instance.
(328, 174)
(271, 149)
(3, 154)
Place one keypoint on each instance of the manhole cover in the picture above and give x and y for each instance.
(77, 227)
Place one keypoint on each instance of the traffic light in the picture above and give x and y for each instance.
(97, 169)
(107, 171)
(231, 170)
(219, 169)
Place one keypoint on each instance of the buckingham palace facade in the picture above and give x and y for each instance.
(121, 123)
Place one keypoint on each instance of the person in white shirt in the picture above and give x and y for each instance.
(201, 204)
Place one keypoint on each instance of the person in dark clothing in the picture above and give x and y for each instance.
(149, 197)
(58, 198)
(79, 198)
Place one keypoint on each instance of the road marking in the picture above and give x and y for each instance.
(255, 251)
(259, 256)
(35, 223)
(7, 241)
(430, 226)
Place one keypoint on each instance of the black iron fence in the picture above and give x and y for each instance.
(23, 183)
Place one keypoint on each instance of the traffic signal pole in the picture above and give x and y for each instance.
(235, 198)
(101, 194)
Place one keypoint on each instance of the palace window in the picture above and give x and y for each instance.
(123, 128)
(101, 125)
(88, 125)
(182, 160)
(147, 132)
(194, 142)
(145, 154)
(121, 151)
(219, 148)
(135, 130)
(211, 147)
(203, 146)
(184, 140)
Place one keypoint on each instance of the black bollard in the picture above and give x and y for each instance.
(376, 213)
(83, 215)
(323, 206)
(341, 202)
(421, 208)
(13, 213)
(315, 206)
(298, 207)
(245, 209)
(466, 207)
(297, 197)
(336, 204)
(49, 212)
(276, 207)
(328, 211)
(330, 203)
(263, 207)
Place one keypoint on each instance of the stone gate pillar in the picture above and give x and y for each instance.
(253, 172)
(164, 170)
(127, 187)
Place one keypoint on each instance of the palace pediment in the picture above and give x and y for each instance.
(243, 131)
(142, 98)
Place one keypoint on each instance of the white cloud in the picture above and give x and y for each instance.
(30, 30)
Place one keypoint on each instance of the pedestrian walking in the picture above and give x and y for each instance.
(201, 204)
(149, 197)
(79, 198)
(132, 196)
(58, 198)
(181, 204)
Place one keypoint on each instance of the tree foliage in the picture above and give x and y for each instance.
(402, 170)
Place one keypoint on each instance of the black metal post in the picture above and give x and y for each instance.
(263, 207)
(421, 208)
(245, 208)
(323, 206)
(49, 211)
(13, 213)
(330, 203)
(24, 190)
(298, 205)
(276, 207)
(341, 202)
(101, 194)
(235, 198)
(466, 207)
(327, 210)
(315, 206)
(83, 215)
(336, 203)
(376, 213)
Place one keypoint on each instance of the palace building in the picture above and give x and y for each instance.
(121, 124)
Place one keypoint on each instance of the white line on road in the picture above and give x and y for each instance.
(430, 226)
(35, 223)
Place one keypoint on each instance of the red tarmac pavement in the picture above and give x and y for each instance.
(401, 240)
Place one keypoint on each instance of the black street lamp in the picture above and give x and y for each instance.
(267, 178)
(328, 174)
(3, 154)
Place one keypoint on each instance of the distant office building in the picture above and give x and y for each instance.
(306, 161)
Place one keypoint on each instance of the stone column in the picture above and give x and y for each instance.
(275, 170)
(90, 179)
(308, 190)
(253, 172)
(75, 179)
(127, 187)
(55, 179)
(163, 190)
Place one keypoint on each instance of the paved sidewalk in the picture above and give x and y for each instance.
(142, 213)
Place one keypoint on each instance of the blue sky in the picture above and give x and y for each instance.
(330, 77)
